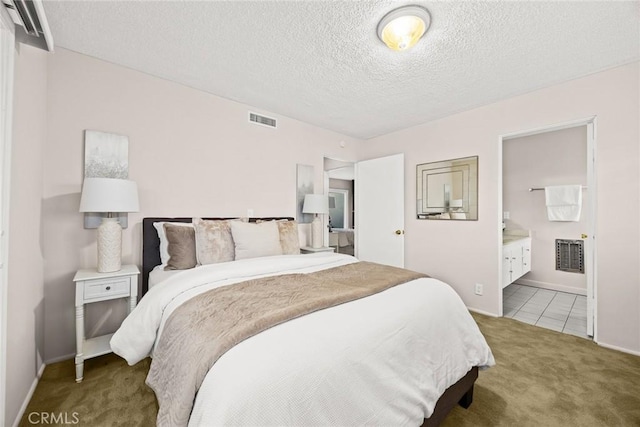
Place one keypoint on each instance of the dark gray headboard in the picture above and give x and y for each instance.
(151, 244)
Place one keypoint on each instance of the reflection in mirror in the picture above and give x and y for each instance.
(448, 189)
(338, 208)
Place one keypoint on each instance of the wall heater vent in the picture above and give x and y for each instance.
(262, 120)
(570, 255)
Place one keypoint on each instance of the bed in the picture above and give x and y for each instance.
(359, 362)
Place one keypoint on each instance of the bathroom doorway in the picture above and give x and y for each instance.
(339, 177)
(550, 282)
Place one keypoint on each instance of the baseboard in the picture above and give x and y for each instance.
(60, 358)
(486, 313)
(615, 347)
(27, 399)
(551, 286)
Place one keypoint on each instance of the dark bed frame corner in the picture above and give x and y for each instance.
(460, 393)
(151, 242)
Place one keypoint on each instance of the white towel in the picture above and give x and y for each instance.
(564, 202)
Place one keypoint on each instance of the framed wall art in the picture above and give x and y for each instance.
(106, 155)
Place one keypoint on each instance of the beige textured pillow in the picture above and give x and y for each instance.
(256, 240)
(159, 226)
(214, 242)
(181, 246)
(289, 237)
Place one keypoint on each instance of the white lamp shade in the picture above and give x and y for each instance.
(109, 195)
(315, 204)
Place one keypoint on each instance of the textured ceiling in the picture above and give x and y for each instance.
(321, 62)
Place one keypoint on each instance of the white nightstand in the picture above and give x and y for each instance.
(92, 286)
(310, 250)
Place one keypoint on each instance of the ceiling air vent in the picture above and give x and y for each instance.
(32, 27)
(262, 120)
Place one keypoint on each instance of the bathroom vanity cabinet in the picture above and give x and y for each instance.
(516, 259)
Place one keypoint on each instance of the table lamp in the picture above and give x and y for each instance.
(317, 204)
(109, 195)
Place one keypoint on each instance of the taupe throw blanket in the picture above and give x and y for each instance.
(202, 329)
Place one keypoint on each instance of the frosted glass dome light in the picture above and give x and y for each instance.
(401, 28)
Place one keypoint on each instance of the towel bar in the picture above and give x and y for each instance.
(537, 189)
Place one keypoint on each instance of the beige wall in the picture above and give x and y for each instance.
(190, 152)
(25, 341)
(465, 253)
(551, 158)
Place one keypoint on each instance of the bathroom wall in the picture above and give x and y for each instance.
(552, 158)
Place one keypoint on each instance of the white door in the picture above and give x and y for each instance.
(6, 100)
(590, 247)
(379, 200)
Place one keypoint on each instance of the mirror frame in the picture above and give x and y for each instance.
(457, 200)
(345, 199)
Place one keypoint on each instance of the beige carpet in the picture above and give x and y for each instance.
(542, 378)
(547, 378)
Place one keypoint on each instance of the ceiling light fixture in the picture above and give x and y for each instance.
(401, 28)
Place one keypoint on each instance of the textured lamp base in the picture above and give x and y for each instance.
(316, 233)
(109, 245)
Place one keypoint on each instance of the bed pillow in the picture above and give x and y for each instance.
(214, 242)
(289, 239)
(254, 240)
(164, 254)
(181, 247)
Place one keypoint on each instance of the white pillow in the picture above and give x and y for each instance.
(164, 245)
(256, 240)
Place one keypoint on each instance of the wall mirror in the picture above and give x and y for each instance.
(338, 208)
(448, 189)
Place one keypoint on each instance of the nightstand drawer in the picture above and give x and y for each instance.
(108, 288)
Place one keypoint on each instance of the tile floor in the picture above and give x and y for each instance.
(559, 311)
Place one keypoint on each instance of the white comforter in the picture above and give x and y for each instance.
(382, 360)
